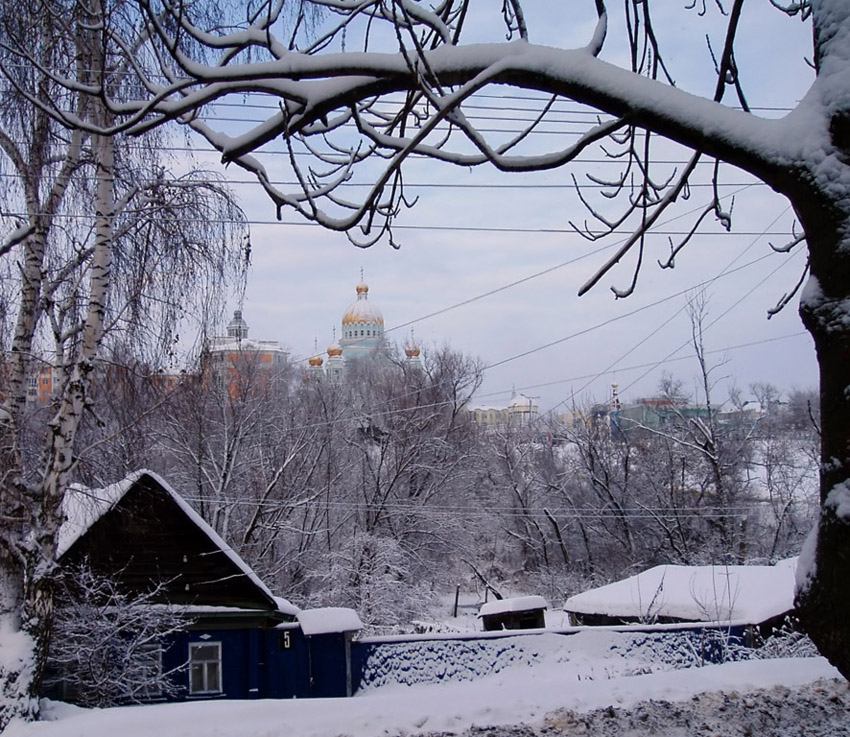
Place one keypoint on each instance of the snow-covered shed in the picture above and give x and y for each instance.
(328, 632)
(740, 594)
(516, 613)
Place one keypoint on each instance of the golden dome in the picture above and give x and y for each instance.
(411, 351)
(316, 361)
(334, 351)
(361, 311)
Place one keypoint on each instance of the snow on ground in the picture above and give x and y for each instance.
(593, 678)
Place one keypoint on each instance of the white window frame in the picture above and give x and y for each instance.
(209, 688)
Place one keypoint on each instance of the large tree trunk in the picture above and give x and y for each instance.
(824, 595)
(818, 184)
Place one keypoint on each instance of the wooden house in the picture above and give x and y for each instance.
(242, 641)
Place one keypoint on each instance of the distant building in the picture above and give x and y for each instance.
(745, 416)
(362, 327)
(238, 363)
(652, 414)
(520, 411)
(362, 330)
(43, 385)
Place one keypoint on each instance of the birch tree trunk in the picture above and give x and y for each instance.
(38, 602)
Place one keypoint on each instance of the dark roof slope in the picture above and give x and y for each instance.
(144, 533)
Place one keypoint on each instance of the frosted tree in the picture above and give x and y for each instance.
(106, 646)
(95, 245)
(362, 55)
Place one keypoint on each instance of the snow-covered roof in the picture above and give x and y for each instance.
(750, 594)
(327, 620)
(515, 604)
(83, 507)
(285, 606)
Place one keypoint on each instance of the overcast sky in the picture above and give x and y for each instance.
(303, 278)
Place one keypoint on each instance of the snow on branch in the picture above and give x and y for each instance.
(405, 92)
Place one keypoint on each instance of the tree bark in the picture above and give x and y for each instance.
(823, 598)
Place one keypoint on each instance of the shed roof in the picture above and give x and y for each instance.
(515, 604)
(328, 620)
(750, 594)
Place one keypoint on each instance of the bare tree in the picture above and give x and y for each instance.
(106, 647)
(115, 259)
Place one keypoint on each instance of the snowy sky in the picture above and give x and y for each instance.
(303, 278)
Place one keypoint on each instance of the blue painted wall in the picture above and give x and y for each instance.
(265, 663)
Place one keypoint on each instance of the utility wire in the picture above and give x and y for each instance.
(421, 227)
(441, 511)
(713, 322)
(623, 316)
(636, 367)
(726, 269)
(419, 185)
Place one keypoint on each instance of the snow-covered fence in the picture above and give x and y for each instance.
(435, 660)
(409, 660)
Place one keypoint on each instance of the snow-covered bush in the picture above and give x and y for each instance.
(787, 641)
(106, 645)
(372, 576)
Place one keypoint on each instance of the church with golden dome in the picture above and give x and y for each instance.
(362, 327)
(362, 330)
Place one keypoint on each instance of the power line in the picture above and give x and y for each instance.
(439, 511)
(623, 316)
(713, 322)
(585, 110)
(726, 269)
(422, 185)
(341, 157)
(419, 227)
(535, 275)
(649, 364)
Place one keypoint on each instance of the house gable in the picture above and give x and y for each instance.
(145, 534)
